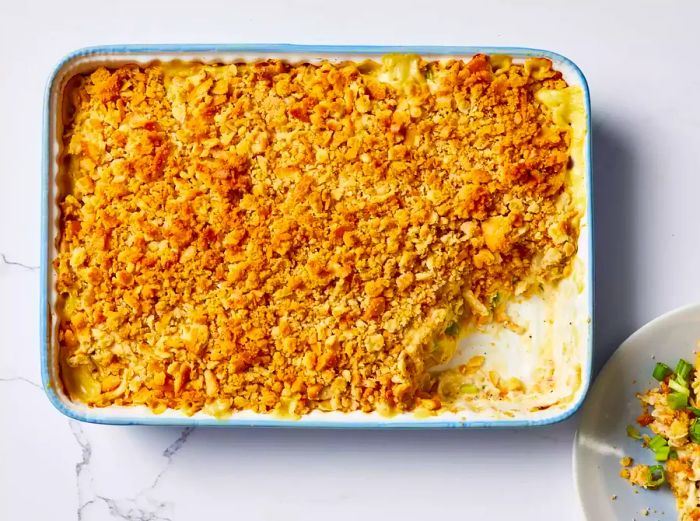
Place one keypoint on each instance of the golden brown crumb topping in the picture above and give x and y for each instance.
(287, 237)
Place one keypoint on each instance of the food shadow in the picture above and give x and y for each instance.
(614, 200)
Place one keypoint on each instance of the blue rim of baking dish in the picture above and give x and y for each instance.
(370, 50)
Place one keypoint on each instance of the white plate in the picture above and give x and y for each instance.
(601, 439)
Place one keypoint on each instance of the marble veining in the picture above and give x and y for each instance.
(143, 506)
(9, 379)
(12, 263)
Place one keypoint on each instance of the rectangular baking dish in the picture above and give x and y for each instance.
(509, 350)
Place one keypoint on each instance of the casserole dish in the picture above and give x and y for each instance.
(554, 329)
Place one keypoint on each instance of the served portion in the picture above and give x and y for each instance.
(282, 237)
(671, 411)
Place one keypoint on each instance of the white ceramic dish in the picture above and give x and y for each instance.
(560, 328)
(612, 405)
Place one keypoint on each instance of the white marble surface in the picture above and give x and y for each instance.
(641, 62)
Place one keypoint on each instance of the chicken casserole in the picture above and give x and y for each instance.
(286, 237)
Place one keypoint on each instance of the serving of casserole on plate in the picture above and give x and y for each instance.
(283, 235)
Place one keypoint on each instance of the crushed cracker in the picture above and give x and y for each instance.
(277, 236)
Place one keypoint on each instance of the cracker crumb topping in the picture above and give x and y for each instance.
(290, 237)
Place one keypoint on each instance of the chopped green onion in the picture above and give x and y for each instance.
(677, 386)
(633, 433)
(452, 329)
(657, 442)
(694, 410)
(683, 370)
(469, 389)
(677, 400)
(661, 454)
(656, 476)
(694, 430)
(661, 371)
